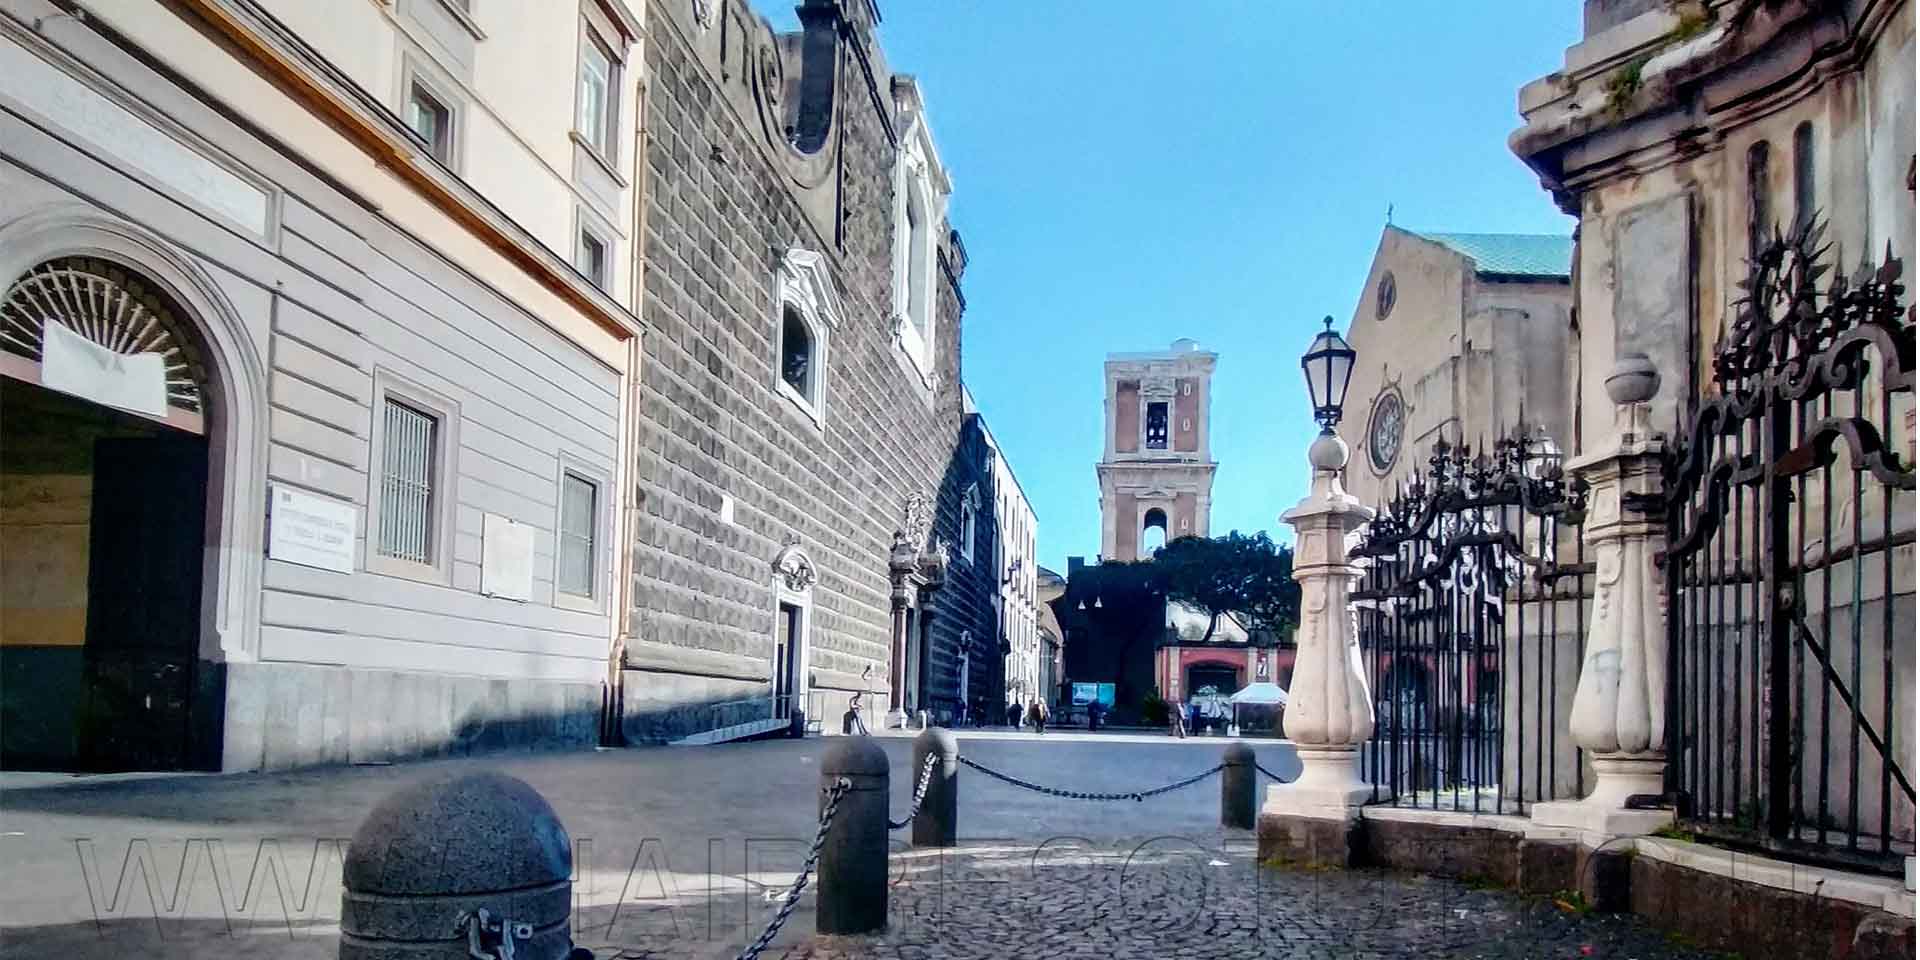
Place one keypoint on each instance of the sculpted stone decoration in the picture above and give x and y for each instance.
(795, 569)
(797, 114)
(1620, 704)
(916, 520)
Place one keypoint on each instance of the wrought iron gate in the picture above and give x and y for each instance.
(1471, 611)
(1790, 596)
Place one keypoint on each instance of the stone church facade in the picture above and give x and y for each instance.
(796, 482)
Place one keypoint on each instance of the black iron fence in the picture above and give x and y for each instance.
(1470, 615)
(1790, 569)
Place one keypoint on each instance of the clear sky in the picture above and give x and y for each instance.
(1128, 172)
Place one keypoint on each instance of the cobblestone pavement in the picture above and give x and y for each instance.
(1205, 899)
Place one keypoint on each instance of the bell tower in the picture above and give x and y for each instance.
(1156, 476)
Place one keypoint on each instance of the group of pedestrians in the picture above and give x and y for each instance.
(1035, 715)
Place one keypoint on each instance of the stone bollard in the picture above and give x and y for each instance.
(852, 896)
(938, 822)
(477, 861)
(1237, 783)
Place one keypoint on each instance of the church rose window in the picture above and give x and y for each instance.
(1383, 433)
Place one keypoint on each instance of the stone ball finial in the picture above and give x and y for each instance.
(1633, 379)
(1328, 452)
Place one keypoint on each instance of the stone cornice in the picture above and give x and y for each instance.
(1653, 96)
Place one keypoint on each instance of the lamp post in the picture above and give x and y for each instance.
(1329, 710)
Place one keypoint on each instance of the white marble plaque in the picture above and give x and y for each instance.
(312, 530)
(70, 363)
(506, 558)
(73, 105)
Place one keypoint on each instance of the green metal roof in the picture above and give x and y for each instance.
(1511, 254)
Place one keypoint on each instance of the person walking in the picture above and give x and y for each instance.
(1037, 716)
(1179, 713)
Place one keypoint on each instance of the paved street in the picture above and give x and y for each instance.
(681, 850)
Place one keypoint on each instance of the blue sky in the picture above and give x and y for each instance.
(1126, 173)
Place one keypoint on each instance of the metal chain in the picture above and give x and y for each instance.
(834, 793)
(919, 794)
(1083, 795)
(1270, 773)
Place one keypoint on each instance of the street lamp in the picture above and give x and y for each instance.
(1329, 366)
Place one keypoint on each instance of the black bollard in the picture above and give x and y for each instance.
(457, 864)
(1237, 783)
(852, 895)
(938, 822)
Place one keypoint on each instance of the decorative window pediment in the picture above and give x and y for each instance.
(807, 311)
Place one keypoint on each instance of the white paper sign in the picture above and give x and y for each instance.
(312, 530)
(70, 363)
(506, 558)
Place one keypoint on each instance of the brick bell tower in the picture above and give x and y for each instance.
(1156, 477)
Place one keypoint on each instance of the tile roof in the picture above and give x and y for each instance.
(1510, 254)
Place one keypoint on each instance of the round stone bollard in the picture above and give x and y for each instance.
(938, 822)
(1237, 784)
(852, 896)
(457, 864)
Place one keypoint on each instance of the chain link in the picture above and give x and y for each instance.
(834, 793)
(919, 794)
(1270, 773)
(1084, 795)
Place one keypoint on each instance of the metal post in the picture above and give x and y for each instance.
(1237, 787)
(853, 858)
(937, 823)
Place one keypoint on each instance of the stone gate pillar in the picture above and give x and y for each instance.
(1620, 706)
(1329, 708)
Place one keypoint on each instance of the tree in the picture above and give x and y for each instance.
(1236, 573)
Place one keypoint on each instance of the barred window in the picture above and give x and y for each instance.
(579, 505)
(407, 480)
(1759, 200)
(1803, 186)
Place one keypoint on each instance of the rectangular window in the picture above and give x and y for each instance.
(597, 107)
(1156, 426)
(431, 121)
(591, 258)
(579, 508)
(408, 475)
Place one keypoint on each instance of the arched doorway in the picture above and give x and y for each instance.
(104, 462)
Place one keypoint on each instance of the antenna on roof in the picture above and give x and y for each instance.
(1389, 214)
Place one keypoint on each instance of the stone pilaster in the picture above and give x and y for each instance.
(1620, 706)
(1329, 708)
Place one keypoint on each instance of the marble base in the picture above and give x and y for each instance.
(1328, 788)
(1603, 815)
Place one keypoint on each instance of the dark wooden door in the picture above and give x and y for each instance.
(143, 602)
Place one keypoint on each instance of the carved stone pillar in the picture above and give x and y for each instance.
(1620, 706)
(902, 571)
(1329, 709)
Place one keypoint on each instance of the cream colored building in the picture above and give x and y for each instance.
(382, 250)
(1462, 337)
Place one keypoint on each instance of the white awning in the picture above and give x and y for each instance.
(1261, 692)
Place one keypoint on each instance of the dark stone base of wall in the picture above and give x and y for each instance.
(1700, 908)
(1308, 841)
(284, 715)
(661, 707)
(1760, 922)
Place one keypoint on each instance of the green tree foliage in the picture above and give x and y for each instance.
(1237, 573)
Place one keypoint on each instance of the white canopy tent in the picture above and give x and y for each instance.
(1265, 693)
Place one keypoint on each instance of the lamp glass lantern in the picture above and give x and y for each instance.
(1328, 364)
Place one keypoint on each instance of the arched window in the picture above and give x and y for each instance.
(920, 190)
(796, 352)
(1759, 200)
(809, 309)
(1804, 191)
(1154, 533)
